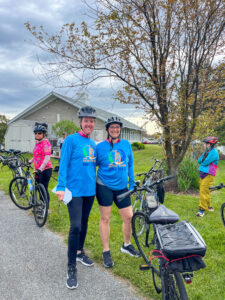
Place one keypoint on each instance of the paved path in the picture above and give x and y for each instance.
(33, 264)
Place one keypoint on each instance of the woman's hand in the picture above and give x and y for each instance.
(60, 195)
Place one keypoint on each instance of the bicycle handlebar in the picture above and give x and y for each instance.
(143, 188)
(148, 173)
(217, 187)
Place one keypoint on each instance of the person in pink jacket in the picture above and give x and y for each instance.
(41, 155)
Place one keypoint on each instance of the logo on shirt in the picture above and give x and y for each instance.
(117, 158)
(89, 154)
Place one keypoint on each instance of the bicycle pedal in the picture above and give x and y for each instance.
(144, 267)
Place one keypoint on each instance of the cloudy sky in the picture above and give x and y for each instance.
(19, 83)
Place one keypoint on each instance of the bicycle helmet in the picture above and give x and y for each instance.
(113, 120)
(211, 140)
(86, 111)
(40, 127)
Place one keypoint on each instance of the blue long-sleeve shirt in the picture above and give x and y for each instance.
(115, 165)
(77, 169)
(209, 164)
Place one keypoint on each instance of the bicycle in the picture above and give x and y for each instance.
(13, 159)
(26, 193)
(152, 175)
(140, 224)
(222, 209)
(178, 248)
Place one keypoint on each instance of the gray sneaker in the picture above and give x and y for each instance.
(71, 281)
(107, 259)
(84, 259)
(130, 250)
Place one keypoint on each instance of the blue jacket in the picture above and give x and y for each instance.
(77, 169)
(209, 165)
(115, 165)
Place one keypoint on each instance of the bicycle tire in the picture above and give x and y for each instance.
(173, 286)
(19, 193)
(40, 205)
(156, 263)
(139, 230)
(222, 210)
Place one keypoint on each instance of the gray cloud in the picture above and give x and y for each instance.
(19, 85)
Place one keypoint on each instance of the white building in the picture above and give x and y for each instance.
(55, 107)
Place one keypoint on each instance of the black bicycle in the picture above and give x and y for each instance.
(141, 201)
(222, 209)
(26, 192)
(177, 248)
(150, 197)
(14, 160)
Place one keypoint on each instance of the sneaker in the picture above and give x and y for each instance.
(107, 259)
(84, 259)
(71, 281)
(210, 208)
(130, 250)
(200, 213)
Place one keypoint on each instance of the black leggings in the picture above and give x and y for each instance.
(79, 209)
(44, 178)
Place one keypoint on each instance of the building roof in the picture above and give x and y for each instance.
(101, 114)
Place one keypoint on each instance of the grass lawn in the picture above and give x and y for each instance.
(208, 283)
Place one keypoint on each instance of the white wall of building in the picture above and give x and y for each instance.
(20, 136)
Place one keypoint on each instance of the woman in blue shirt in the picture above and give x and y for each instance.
(115, 161)
(207, 171)
(77, 173)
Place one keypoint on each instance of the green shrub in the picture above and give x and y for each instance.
(137, 146)
(188, 175)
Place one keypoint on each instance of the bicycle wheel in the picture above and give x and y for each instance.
(156, 263)
(40, 205)
(173, 286)
(19, 192)
(223, 213)
(141, 230)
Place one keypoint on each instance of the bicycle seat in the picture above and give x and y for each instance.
(163, 215)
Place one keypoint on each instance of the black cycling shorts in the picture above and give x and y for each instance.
(106, 196)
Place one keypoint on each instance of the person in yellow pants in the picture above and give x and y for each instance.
(207, 171)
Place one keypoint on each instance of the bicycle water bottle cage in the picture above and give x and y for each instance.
(163, 215)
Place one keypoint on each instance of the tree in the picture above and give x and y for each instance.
(210, 122)
(3, 127)
(66, 126)
(161, 51)
(220, 132)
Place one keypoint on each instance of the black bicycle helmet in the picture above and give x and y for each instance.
(40, 127)
(211, 140)
(113, 120)
(86, 111)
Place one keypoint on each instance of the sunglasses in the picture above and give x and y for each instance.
(38, 133)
